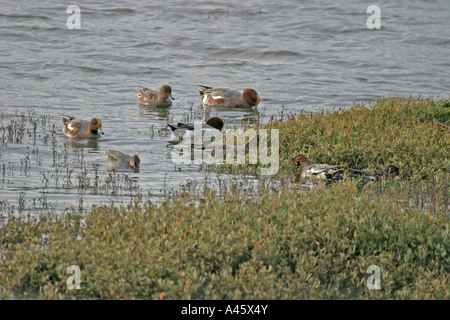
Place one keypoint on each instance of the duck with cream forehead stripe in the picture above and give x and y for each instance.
(77, 128)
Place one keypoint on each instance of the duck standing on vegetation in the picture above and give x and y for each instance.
(222, 97)
(119, 160)
(329, 172)
(76, 128)
(154, 98)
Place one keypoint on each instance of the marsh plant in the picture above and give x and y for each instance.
(250, 236)
(43, 166)
(289, 244)
(29, 124)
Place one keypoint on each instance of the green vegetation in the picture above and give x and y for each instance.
(412, 134)
(287, 242)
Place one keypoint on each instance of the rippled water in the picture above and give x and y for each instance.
(297, 55)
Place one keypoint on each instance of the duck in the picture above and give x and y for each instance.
(213, 123)
(330, 172)
(212, 128)
(77, 128)
(390, 171)
(223, 97)
(321, 171)
(119, 160)
(154, 98)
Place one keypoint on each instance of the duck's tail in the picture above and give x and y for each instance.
(141, 91)
(204, 90)
(67, 120)
(172, 127)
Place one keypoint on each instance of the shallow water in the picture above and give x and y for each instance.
(298, 56)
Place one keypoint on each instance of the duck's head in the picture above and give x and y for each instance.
(391, 171)
(251, 96)
(95, 125)
(216, 122)
(299, 160)
(135, 161)
(165, 92)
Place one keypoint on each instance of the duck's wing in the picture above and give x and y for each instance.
(365, 174)
(215, 92)
(186, 126)
(181, 126)
(142, 92)
(172, 127)
(117, 159)
(114, 155)
(204, 90)
(73, 124)
(322, 167)
(148, 94)
(69, 118)
(325, 171)
(177, 130)
(205, 128)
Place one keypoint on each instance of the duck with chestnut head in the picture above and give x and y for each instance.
(336, 172)
(77, 128)
(119, 160)
(223, 97)
(321, 171)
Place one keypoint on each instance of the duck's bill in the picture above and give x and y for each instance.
(171, 97)
(101, 130)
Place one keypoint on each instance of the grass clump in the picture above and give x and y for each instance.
(410, 133)
(292, 244)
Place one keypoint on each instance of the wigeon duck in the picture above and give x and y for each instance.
(328, 172)
(212, 128)
(318, 170)
(213, 123)
(76, 128)
(389, 171)
(156, 98)
(221, 97)
(119, 160)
